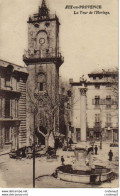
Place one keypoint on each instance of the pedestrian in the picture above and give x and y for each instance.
(110, 154)
(96, 149)
(62, 160)
(92, 148)
(70, 142)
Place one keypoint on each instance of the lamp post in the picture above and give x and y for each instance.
(39, 98)
(101, 140)
(101, 131)
(34, 154)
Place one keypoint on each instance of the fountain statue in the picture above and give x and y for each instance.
(83, 159)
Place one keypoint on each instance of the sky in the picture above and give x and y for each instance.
(87, 42)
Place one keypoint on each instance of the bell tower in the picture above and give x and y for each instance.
(43, 60)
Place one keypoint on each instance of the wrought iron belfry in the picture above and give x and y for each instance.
(43, 10)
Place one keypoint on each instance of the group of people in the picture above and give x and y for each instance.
(93, 149)
(110, 154)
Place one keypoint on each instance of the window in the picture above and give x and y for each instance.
(97, 100)
(7, 134)
(97, 134)
(16, 108)
(108, 101)
(69, 93)
(97, 120)
(47, 24)
(108, 117)
(41, 87)
(7, 81)
(7, 108)
(97, 117)
(97, 86)
(41, 81)
(108, 120)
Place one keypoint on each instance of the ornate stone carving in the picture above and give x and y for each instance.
(83, 91)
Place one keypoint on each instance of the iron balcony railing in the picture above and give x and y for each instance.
(42, 54)
(104, 102)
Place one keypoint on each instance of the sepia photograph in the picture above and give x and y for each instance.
(59, 94)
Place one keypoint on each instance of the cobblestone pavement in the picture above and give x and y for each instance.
(18, 173)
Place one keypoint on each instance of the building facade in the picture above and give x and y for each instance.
(64, 110)
(43, 60)
(12, 105)
(95, 107)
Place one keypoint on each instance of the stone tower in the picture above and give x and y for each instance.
(43, 60)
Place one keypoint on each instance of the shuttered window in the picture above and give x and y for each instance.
(7, 134)
(7, 108)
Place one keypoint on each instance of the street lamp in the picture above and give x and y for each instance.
(34, 154)
(39, 98)
(101, 140)
(36, 97)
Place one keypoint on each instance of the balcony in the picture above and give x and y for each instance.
(105, 102)
(8, 91)
(37, 56)
(4, 120)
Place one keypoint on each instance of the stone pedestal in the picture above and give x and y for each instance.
(83, 113)
(81, 158)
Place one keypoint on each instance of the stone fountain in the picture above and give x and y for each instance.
(83, 170)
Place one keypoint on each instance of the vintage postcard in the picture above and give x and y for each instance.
(59, 94)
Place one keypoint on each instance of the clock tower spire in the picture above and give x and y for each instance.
(43, 10)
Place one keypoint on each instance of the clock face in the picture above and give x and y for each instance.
(41, 40)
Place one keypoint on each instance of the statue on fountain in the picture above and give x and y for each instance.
(83, 159)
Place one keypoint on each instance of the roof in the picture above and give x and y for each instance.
(108, 72)
(15, 67)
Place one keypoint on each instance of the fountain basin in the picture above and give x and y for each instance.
(94, 176)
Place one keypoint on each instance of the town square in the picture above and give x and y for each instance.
(59, 118)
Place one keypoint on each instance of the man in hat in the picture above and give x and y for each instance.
(96, 149)
(62, 160)
(110, 154)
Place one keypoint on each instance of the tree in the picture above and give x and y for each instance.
(41, 103)
(37, 102)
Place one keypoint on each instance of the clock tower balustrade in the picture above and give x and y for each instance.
(42, 56)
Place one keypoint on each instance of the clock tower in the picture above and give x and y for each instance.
(43, 60)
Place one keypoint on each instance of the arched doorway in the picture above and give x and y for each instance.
(40, 136)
